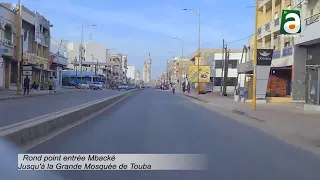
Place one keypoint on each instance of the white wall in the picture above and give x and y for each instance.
(97, 50)
(131, 72)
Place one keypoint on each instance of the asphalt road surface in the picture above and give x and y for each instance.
(17, 110)
(154, 121)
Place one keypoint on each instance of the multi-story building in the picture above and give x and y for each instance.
(58, 62)
(144, 72)
(118, 72)
(148, 69)
(217, 63)
(124, 67)
(306, 73)
(180, 68)
(35, 47)
(7, 41)
(131, 73)
(137, 76)
(269, 37)
(213, 58)
(94, 58)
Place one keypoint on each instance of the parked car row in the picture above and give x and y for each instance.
(93, 85)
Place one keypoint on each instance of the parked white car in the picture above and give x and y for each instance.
(84, 85)
(96, 85)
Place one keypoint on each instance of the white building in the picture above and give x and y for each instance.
(148, 69)
(217, 70)
(131, 72)
(144, 72)
(94, 58)
(137, 76)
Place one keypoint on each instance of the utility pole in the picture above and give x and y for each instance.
(225, 73)
(222, 63)
(96, 68)
(19, 46)
(254, 87)
(81, 54)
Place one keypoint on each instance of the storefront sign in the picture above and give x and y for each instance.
(33, 59)
(264, 57)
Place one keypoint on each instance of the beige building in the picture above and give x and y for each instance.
(35, 46)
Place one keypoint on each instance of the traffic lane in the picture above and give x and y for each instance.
(18, 110)
(160, 122)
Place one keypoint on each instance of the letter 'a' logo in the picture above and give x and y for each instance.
(290, 22)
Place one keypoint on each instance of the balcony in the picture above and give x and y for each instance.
(283, 57)
(276, 54)
(312, 19)
(45, 40)
(287, 51)
(309, 31)
(276, 25)
(267, 27)
(259, 33)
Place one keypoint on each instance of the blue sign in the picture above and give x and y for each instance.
(3, 51)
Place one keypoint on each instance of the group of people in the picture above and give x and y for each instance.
(53, 84)
(185, 86)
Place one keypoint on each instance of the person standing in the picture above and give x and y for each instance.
(56, 84)
(188, 87)
(173, 88)
(26, 85)
(184, 87)
(50, 83)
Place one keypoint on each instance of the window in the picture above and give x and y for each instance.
(232, 64)
(231, 81)
(217, 81)
(218, 64)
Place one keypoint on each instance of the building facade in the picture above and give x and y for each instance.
(35, 34)
(307, 54)
(148, 69)
(280, 79)
(131, 72)
(7, 41)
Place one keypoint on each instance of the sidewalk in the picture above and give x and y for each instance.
(10, 94)
(285, 121)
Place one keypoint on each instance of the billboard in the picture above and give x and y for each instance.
(204, 74)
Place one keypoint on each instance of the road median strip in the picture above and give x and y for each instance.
(23, 132)
(37, 95)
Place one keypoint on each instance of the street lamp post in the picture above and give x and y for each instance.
(181, 39)
(197, 11)
(81, 49)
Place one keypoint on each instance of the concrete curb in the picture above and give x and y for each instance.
(36, 95)
(235, 111)
(26, 131)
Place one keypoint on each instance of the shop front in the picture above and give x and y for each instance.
(37, 70)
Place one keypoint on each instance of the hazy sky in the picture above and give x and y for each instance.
(141, 27)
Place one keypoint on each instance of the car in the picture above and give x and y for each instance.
(83, 85)
(123, 87)
(96, 85)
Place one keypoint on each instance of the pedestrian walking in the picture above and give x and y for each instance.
(173, 88)
(184, 87)
(188, 88)
(50, 83)
(56, 84)
(26, 85)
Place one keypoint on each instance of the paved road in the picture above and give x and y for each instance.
(17, 110)
(159, 122)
